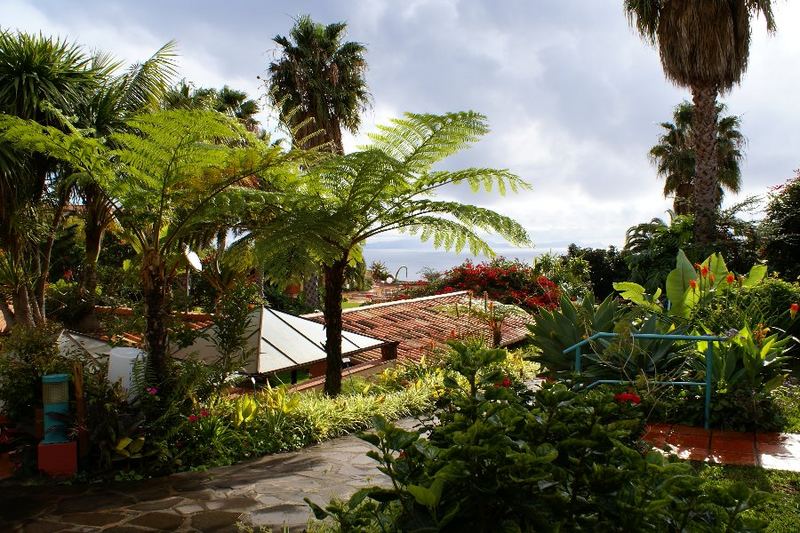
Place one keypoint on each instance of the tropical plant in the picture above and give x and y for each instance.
(511, 460)
(782, 223)
(569, 273)
(318, 83)
(605, 267)
(186, 164)
(553, 331)
(650, 247)
(704, 46)
(41, 79)
(228, 101)
(118, 97)
(378, 271)
(674, 156)
(753, 359)
(689, 287)
(318, 86)
(386, 187)
(507, 281)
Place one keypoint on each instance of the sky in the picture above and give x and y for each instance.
(572, 95)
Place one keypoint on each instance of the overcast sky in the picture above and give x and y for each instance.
(572, 95)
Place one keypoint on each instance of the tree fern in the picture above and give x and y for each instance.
(387, 186)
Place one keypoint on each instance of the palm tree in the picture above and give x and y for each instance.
(703, 45)
(318, 83)
(44, 80)
(229, 101)
(169, 175)
(674, 156)
(388, 186)
(318, 87)
(139, 89)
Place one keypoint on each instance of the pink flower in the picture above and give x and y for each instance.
(152, 391)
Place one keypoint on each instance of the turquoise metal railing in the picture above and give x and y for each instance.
(709, 361)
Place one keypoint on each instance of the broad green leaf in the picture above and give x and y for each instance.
(678, 283)
(755, 276)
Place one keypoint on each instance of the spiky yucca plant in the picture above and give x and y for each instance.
(387, 186)
(170, 174)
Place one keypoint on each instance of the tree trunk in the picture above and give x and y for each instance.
(682, 204)
(8, 316)
(156, 299)
(704, 127)
(334, 281)
(311, 291)
(23, 314)
(44, 274)
(94, 231)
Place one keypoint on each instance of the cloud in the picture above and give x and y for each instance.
(572, 94)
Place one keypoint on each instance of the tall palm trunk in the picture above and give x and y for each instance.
(704, 125)
(155, 291)
(334, 282)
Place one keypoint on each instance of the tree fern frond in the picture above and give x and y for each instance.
(420, 140)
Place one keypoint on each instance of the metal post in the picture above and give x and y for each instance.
(709, 372)
(578, 360)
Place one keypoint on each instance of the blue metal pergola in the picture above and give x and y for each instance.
(577, 348)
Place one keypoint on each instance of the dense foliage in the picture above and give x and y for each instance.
(783, 228)
(503, 280)
(505, 458)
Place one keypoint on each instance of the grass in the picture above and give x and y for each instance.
(782, 512)
(787, 399)
(349, 305)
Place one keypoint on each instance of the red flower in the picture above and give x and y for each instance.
(627, 397)
(204, 413)
(793, 309)
(730, 278)
(693, 284)
(506, 383)
(193, 418)
(704, 271)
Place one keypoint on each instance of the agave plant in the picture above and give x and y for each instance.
(556, 330)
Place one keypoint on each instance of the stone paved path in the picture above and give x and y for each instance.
(263, 492)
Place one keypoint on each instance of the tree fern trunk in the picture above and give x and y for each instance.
(334, 281)
(156, 300)
(704, 126)
(311, 291)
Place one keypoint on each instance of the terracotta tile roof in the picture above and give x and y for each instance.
(422, 325)
(195, 321)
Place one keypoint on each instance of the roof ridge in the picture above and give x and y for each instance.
(393, 302)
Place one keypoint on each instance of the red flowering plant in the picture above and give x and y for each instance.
(503, 280)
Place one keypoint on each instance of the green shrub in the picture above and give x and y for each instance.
(556, 330)
(26, 355)
(505, 459)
